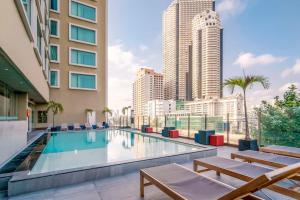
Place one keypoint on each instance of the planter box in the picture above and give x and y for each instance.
(248, 145)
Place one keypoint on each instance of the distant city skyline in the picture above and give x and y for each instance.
(259, 36)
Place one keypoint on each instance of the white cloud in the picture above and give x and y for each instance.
(228, 8)
(246, 60)
(255, 97)
(294, 70)
(285, 87)
(143, 47)
(122, 65)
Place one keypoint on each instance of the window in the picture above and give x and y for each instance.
(82, 81)
(27, 8)
(54, 5)
(54, 78)
(39, 37)
(8, 103)
(82, 34)
(82, 57)
(54, 53)
(42, 116)
(82, 11)
(54, 28)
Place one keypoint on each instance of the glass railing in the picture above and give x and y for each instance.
(281, 132)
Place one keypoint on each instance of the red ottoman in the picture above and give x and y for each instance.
(149, 130)
(173, 133)
(216, 140)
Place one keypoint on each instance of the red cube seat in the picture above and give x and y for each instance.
(174, 133)
(216, 140)
(149, 130)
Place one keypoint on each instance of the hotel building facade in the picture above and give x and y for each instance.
(177, 37)
(78, 59)
(148, 85)
(49, 50)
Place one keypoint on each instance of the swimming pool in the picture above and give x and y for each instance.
(68, 150)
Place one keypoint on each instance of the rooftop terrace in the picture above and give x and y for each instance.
(126, 187)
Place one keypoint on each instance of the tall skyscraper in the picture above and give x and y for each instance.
(148, 85)
(207, 55)
(78, 58)
(177, 36)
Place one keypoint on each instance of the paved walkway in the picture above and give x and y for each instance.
(125, 188)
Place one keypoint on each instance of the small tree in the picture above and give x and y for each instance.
(245, 82)
(106, 111)
(55, 108)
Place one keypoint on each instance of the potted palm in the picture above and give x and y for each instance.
(245, 82)
(106, 111)
(55, 109)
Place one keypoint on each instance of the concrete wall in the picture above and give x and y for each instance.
(13, 136)
(17, 45)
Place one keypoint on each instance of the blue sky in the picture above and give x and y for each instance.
(260, 36)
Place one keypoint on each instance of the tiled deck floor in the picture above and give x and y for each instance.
(125, 188)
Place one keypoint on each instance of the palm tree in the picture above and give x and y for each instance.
(105, 111)
(55, 108)
(245, 82)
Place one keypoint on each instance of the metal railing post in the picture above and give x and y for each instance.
(227, 127)
(205, 121)
(156, 124)
(189, 125)
(259, 127)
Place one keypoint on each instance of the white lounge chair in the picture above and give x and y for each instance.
(77, 127)
(88, 126)
(64, 127)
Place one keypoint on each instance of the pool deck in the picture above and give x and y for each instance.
(126, 187)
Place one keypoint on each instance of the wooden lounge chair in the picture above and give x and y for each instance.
(183, 184)
(265, 158)
(242, 171)
(282, 150)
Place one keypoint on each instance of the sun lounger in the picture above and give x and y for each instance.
(99, 125)
(64, 127)
(184, 184)
(88, 126)
(242, 171)
(265, 158)
(77, 127)
(282, 150)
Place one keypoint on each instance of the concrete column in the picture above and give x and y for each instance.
(22, 103)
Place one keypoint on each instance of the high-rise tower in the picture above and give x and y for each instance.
(177, 35)
(207, 55)
(146, 87)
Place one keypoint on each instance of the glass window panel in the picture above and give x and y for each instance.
(83, 57)
(54, 5)
(83, 11)
(54, 27)
(83, 34)
(54, 78)
(83, 81)
(8, 103)
(27, 8)
(54, 53)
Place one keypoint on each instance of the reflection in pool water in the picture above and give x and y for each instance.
(86, 148)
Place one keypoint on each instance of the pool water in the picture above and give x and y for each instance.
(67, 150)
